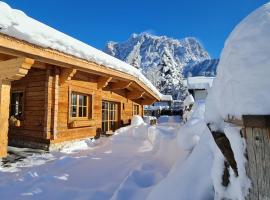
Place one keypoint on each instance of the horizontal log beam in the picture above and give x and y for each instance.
(135, 95)
(256, 121)
(103, 82)
(147, 101)
(15, 69)
(120, 85)
(66, 75)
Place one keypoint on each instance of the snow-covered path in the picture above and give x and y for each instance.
(125, 166)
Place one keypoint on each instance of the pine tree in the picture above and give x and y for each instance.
(171, 81)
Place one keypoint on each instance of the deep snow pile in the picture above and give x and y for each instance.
(243, 72)
(125, 166)
(190, 177)
(240, 89)
(17, 24)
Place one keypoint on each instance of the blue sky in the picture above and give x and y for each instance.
(98, 21)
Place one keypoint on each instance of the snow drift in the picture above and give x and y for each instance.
(240, 89)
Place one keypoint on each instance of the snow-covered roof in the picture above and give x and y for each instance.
(17, 24)
(166, 98)
(199, 82)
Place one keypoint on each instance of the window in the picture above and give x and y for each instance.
(79, 107)
(136, 110)
(109, 116)
(16, 107)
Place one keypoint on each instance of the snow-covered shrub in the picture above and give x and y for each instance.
(137, 120)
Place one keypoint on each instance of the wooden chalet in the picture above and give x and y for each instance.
(48, 97)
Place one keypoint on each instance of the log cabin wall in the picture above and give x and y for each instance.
(46, 108)
(32, 122)
(83, 83)
(43, 75)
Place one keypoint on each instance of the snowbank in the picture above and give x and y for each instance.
(189, 100)
(243, 73)
(137, 120)
(191, 178)
(17, 24)
(124, 166)
(240, 88)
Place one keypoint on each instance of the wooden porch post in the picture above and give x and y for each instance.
(257, 134)
(55, 103)
(4, 115)
(13, 69)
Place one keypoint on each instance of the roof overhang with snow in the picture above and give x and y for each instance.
(199, 82)
(166, 98)
(18, 48)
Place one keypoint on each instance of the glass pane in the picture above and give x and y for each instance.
(20, 110)
(74, 99)
(104, 126)
(111, 115)
(80, 100)
(16, 104)
(80, 112)
(84, 112)
(73, 111)
(105, 114)
(85, 100)
(112, 125)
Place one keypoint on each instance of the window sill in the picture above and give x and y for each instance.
(81, 123)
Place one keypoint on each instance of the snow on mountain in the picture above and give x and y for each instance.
(205, 68)
(160, 58)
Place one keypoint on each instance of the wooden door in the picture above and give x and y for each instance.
(110, 116)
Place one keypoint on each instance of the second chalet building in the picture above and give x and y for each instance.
(54, 88)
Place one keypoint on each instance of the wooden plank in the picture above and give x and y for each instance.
(103, 82)
(135, 95)
(15, 69)
(55, 103)
(66, 75)
(258, 154)
(120, 85)
(147, 101)
(4, 115)
(258, 121)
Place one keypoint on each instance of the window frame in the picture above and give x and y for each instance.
(89, 105)
(136, 109)
(114, 111)
(22, 103)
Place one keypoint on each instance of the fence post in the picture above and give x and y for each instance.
(257, 134)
